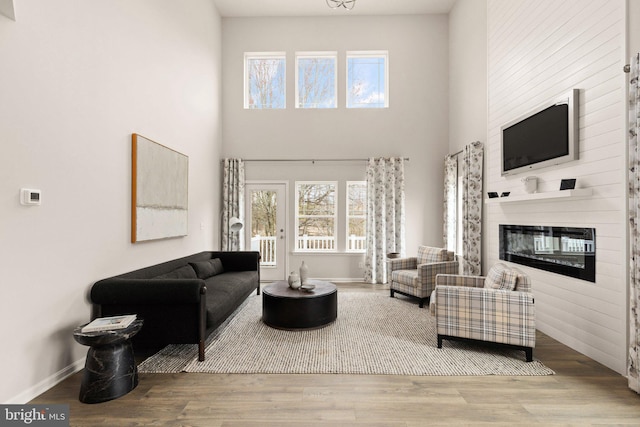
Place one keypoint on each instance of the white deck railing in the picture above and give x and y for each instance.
(316, 243)
(266, 245)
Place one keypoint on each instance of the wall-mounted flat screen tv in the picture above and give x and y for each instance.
(542, 137)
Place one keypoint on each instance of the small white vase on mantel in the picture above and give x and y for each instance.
(304, 273)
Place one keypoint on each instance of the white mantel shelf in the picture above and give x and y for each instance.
(561, 194)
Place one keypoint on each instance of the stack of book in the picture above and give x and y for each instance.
(109, 323)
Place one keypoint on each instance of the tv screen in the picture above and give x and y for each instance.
(543, 137)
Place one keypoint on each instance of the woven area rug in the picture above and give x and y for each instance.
(374, 334)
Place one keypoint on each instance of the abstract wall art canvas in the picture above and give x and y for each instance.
(159, 191)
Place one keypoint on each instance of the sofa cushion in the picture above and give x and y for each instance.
(225, 292)
(501, 277)
(206, 269)
(405, 277)
(184, 272)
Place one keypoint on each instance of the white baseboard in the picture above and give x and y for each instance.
(44, 385)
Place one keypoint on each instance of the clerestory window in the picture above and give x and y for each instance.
(368, 79)
(316, 79)
(264, 80)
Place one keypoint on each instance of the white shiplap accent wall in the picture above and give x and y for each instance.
(536, 52)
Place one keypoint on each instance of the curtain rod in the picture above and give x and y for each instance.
(312, 160)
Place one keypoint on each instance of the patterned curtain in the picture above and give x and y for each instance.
(232, 204)
(633, 365)
(385, 215)
(450, 202)
(472, 209)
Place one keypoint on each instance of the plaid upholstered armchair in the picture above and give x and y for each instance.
(497, 308)
(416, 276)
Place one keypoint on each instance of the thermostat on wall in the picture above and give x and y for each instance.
(30, 197)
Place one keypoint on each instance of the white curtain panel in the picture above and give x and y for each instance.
(385, 215)
(450, 202)
(634, 227)
(472, 169)
(232, 203)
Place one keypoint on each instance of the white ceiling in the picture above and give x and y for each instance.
(246, 8)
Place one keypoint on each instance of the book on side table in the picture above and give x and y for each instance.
(109, 323)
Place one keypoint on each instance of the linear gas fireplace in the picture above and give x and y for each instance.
(563, 250)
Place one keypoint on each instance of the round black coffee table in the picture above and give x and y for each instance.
(110, 369)
(286, 308)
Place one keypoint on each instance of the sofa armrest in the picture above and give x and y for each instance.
(460, 280)
(486, 314)
(238, 261)
(148, 291)
(410, 263)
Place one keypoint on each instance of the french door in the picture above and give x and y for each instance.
(265, 211)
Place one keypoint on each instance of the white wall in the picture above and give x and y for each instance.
(536, 52)
(77, 79)
(467, 73)
(415, 125)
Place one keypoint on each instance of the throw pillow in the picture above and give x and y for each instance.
(494, 278)
(185, 272)
(509, 280)
(206, 269)
(501, 278)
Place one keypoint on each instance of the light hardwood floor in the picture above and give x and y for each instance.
(582, 393)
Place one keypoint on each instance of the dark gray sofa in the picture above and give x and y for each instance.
(181, 301)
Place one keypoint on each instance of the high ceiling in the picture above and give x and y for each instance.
(246, 8)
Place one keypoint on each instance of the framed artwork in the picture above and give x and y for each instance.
(159, 191)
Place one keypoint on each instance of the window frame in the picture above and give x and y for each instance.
(324, 54)
(348, 217)
(298, 216)
(264, 55)
(368, 54)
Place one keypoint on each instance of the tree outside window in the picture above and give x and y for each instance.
(264, 80)
(316, 216)
(316, 80)
(356, 216)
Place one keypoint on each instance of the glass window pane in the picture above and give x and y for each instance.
(315, 226)
(357, 226)
(366, 82)
(356, 216)
(316, 199)
(263, 213)
(265, 82)
(357, 194)
(316, 82)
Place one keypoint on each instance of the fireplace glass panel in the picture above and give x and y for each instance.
(564, 250)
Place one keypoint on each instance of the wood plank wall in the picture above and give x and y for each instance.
(536, 52)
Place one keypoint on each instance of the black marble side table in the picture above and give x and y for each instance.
(110, 370)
